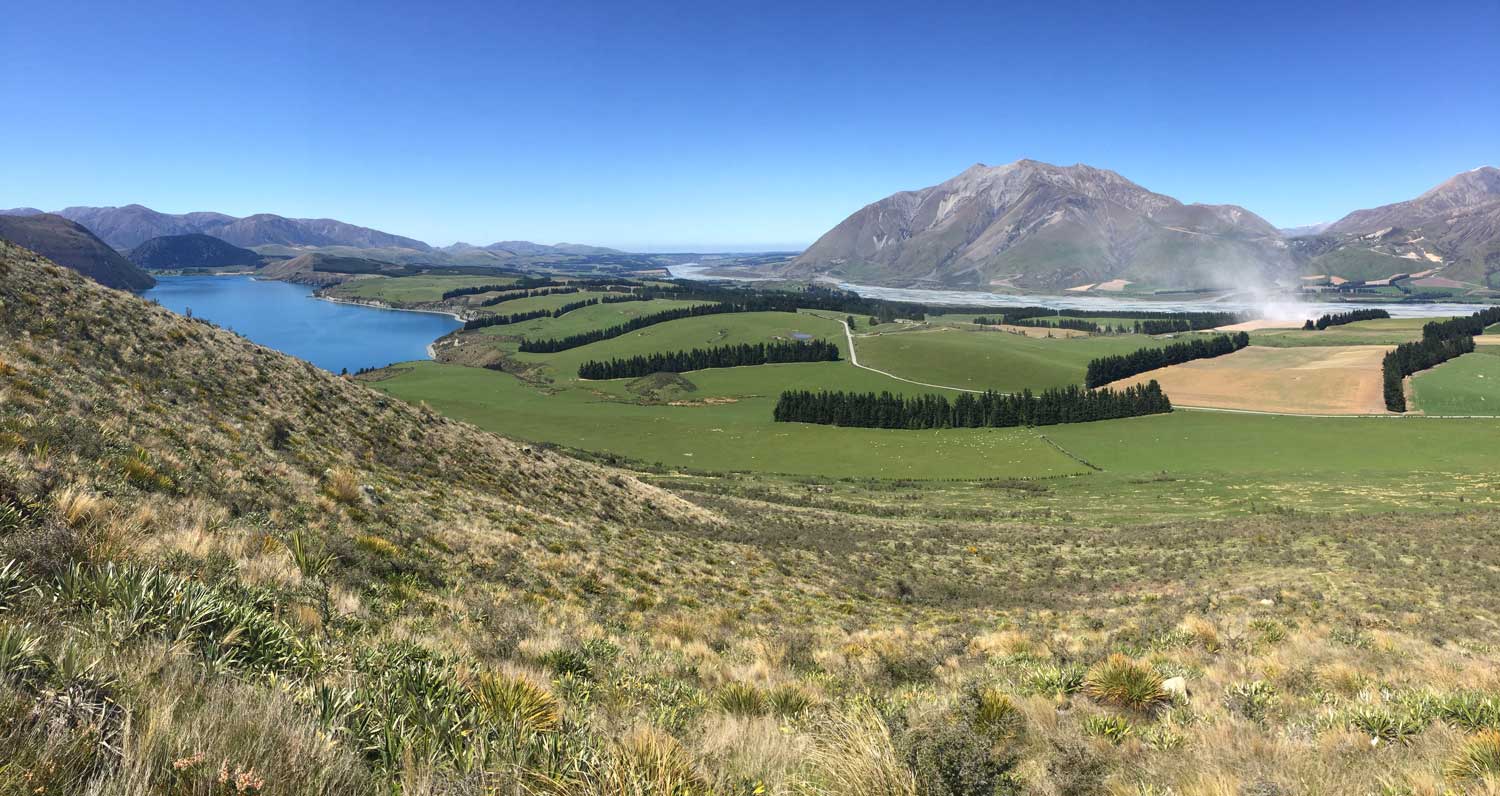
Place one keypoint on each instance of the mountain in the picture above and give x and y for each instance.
(68, 243)
(316, 268)
(193, 250)
(1451, 233)
(130, 226)
(1306, 229)
(525, 248)
(1035, 225)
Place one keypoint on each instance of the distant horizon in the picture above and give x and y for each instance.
(697, 248)
(582, 121)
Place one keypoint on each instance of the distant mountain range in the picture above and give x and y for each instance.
(1038, 226)
(70, 244)
(128, 227)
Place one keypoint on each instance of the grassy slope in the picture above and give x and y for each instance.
(533, 623)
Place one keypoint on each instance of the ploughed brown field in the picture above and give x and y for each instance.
(1314, 380)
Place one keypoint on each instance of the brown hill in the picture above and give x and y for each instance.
(70, 244)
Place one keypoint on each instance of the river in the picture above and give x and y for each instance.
(286, 317)
(1276, 307)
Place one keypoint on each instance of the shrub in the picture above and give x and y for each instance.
(953, 758)
(1124, 683)
(1251, 700)
(1479, 757)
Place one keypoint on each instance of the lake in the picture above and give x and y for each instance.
(286, 317)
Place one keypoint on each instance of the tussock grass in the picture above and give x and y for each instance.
(512, 621)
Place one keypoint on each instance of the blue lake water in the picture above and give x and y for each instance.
(286, 317)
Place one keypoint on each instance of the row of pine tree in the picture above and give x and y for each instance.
(1104, 370)
(724, 356)
(1071, 404)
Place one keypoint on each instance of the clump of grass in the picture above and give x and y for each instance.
(342, 486)
(518, 703)
(789, 701)
(1124, 683)
(377, 545)
(142, 473)
(1478, 758)
(855, 757)
(1385, 726)
(997, 715)
(1055, 680)
(741, 699)
(78, 508)
(1112, 728)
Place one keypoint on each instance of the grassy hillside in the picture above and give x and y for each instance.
(223, 571)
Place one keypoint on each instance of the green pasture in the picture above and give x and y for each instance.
(411, 289)
(599, 316)
(1468, 385)
(1383, 331)
(986, 359)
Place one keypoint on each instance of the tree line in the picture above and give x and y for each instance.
(1076, 324)
(1441, 341)
(1104, 370)
(520, 317)
(1467, 326)
(725, 356)
(1341, 318)
(552, 345)
(520, 294)
(521, 283)
(1071, 404)
(1195, 320)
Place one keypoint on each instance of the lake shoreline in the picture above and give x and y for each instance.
(276, 313)
(374, 305)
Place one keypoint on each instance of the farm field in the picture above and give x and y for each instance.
(725, 424)
(411, 289)
(992, 360)
(1340, 380)
(599, 316)
(1383, 331)
(1468, 385)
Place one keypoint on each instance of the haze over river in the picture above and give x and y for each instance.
(1274, 307)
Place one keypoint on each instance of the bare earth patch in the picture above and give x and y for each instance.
(1262, 323)
(1036, 331)
(1314, 380)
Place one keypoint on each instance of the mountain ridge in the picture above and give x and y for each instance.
(71, 244)
(1038, 225)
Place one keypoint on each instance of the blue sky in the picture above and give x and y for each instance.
(727, 125)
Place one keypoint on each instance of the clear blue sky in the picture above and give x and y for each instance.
(744, 125)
